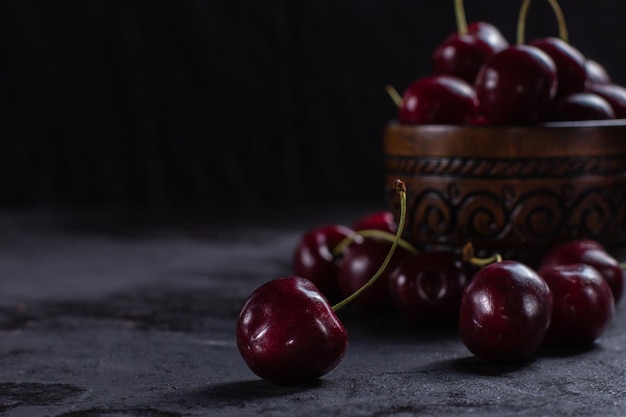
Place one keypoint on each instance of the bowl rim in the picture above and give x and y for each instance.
(554, 140)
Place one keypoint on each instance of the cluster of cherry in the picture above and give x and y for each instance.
(480, 79)
(288, 331)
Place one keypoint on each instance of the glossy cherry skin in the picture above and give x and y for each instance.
(583, 305)
(569, 61)
(314, 260)
(359, 263)
(614, 94)
(426, 287)
(439, 99)
(461, 56)
(596, 73)
(488, 33)
(581, 106)
(516, 86)
(505, 311)
(379, 220)
(592, 253)
(287, 332)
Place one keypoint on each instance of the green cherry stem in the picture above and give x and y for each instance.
(461, 21)
(395, 96)
(521, 21)
(375, 233)
(400, 188)
(469, 256)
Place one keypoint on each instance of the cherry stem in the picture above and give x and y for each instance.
(461, 21)
(400, 188)
(469, 256)
(558, 12)
(395, 96)
(375, 233)
(623, 266)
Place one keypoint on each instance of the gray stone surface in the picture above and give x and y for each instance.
(102, 317)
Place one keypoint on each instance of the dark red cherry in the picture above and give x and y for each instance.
(592, 253)
(426, 287)
(359, 263)
(314, 260)
(596, 73)
(461, 56)
(379, 220)
(581, 106)
(488, 33)
(614, 94)
(516, 85)
(569, 61)
(583, 304)
(287, 332)
(439, 99)
(505, 311)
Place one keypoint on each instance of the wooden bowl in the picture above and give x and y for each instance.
(513, 190)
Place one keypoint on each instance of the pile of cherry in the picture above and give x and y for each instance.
(288, 332)
(480, 79)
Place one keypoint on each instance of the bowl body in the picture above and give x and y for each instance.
(514, 190)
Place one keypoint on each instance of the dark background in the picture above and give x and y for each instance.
(227, 104)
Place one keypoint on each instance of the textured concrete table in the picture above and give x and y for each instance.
(134, 316)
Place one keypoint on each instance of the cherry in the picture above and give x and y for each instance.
(426, 287)
(596, 73)
(461, 56)
(583, 304)
(505, 311)
(380, 220)
(313, 257)
(288, 333)
(592, 253)
(462, 53)
(438, 99)
(516, 85)
(358, 264)
(613, 93)
(569, 61)
(581, 106)
(488, 33)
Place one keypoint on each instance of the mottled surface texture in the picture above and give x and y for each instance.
(101, 318)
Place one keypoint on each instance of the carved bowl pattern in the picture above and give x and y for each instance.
(515, 190)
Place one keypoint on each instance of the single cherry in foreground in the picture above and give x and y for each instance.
(505, 311)
(590, 252)
(426, 287)
(439, 99)
(313, 257)
(288, 333)
(583, 304)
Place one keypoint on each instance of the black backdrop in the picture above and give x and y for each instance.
(230, 103)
